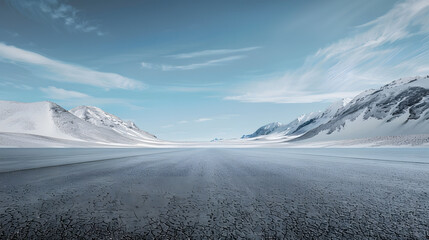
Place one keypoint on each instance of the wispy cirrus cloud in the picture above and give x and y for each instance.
(187, 89)
(212, 52)
(203, 120)
(16, 85)
(209, 63)
(57, 11)
(148, 65)
(191, 88)
(308, 97)
(59, 93)
(70, 98)
(201, 64)
(65, 72)
(392, 46)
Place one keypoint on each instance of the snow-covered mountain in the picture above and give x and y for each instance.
(48, 119)
(100, 118)
(267, 129)
(301, 124)
(396, 109)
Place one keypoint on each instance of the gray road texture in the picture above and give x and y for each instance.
(214, 193)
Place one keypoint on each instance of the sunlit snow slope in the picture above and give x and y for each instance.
(400, 108)
(100, 118)
(48, 119)
(396, 109)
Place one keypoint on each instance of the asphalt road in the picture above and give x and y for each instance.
(214, 193)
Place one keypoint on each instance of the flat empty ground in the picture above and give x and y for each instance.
(214, 193)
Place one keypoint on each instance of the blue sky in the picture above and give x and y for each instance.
(197, 70)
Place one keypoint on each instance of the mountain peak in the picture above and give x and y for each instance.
(82, 124)
(98, 117)
(264, 130)
(400, 107)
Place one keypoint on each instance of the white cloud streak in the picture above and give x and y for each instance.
(188, 89)
(57, 11)
(200, 65)
(16, 85)
(207, 63)
(73, 98)
(212, 52)
(64, 72)
(147, 65)
(302, 98)
(203, 120)
(382, 50)
(214, 62)
(59, 93)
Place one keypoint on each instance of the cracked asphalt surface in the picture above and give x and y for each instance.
(214, 194)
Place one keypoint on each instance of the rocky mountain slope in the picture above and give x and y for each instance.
(100, 118)
(396, 109)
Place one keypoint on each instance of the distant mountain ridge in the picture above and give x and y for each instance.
(301, 124)
(398, 108)
(51, 120)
